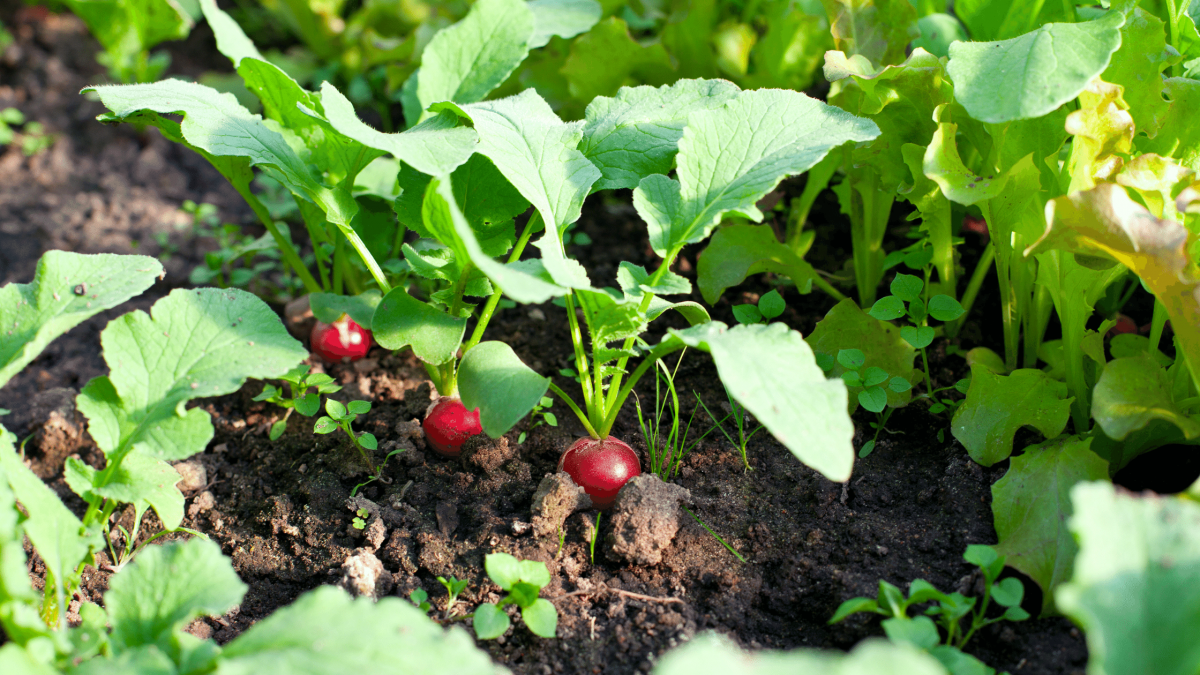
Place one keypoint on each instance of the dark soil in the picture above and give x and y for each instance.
(280, 509)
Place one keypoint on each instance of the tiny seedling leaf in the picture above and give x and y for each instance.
(887, 309)
(944, 308)
(490, 621)
(771, 305)
(747, 314)
(541, 618)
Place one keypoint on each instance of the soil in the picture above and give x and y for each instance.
(281, 510)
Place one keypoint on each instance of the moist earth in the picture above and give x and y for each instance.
(282, 510)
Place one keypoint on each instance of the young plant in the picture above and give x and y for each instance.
(946, 611)
(306, 389)
(875, 383)
(522, 580)
(453, 587)
(360, 519)
(539, 416)
(738, 413)
(129, 29)
(667, 452)
(769, 306)
(910, 300)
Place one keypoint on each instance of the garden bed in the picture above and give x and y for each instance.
(279, 509)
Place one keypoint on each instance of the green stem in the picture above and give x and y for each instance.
(581, 367)
(1035, 324)
(285, 246)
(623, 394)
(490, 308)
(367, 258)
(828, 288)
(339, 265)
(1158, 323)
(578, 413)
(1173, 23)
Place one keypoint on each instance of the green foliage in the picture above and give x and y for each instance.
(129, 29)
(846, 327)
(495, 380)
(998, 405)
(306, 389)
(522, 580)
(712, 653)
(342, 416)
(740, 251)
(769, 306)
(947, 611)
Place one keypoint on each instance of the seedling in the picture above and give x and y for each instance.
(33, 136)
(522, 579)
(539, 416)
(421, 599)
(360, 519)
(129, 30)
(770, 306)
(339, 416)
(454, 587)
(910, 300)
(740, 418)
(873, 397)
(947, 611)
(595, 536)
(667, 452)
(306, 389)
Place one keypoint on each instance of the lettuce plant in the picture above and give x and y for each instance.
(129, 29)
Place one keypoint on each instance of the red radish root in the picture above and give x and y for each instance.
(340, 341)
(448, 424)
(601, 468)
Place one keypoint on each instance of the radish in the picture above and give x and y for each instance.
(340, 341)
(448, 424)
(600, 467)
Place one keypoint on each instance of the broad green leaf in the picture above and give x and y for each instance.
(1131, 393)
(938, 32)
(731, 156)
(220, 127)
(1138, 66)
(14, 572)
(166, 587)
(636, 133)
(465, 62)
(436, 146)
(402, 320)
(492, 378)
(1133, 590)
(1106, 221)
(128, 28)
(564, 18)
(1031, 75)
(325, 631)
(688, 38)
(15, 660)
(1003, 19)
(488, 201)
(610, 317)
(771, 371)
(607, 57)
(1179, 136)
(712, 653)
(944, 166)
(1032, 503)
(57, 535)
(139, 479)
(998, 405)
(541, 618)
(67, 289)
(878, 30)
(329, 307)
(231, 40)
(537, 153)
(740, 251)
(503, 568)
(848, 327)
(490, 621)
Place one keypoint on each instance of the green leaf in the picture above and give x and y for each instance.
(490, 622)
(139, 479)
(607, 57)
(848, 327)
(771, 305)
(402, 320)
(535, 572)
(715, 653)
(873, 399)
(1106, 221)
(231, 40)
(564, 18)
(740, 251)
(851, 359)
(219, 127)
(465, 62)
(541, 617)
(127, 29)
(919, 337)
(1138, 66)
(854, 606)
(325, 631)
(731, 156)
(874, 375)
(16, 660)
(1008, 592)
(492, 378)
(165, 588)
(309, 405)
(747, 314)
(1131, 393)
(1031, 505)
(368, 440)
(57, 535)
(919, 631)
(1003, 19)
(359, 407)
(325, 425)
(945, 308)
(1133, 590)
(1178, 137)
(329, 308)
(907, 287)
(336, 409)
(436, 146)
(887, 308)
(1031, 75)
(636, 133)
(770, 371)
(632, 280)
(67, 289)
(938, 32)
(878, 30)
(277, 430)
(504, 569)
(998, 405)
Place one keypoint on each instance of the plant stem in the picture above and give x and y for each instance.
(622, 394)
(578, 413)
(486, 315)
(339, 265)
(366, 256)
(581, 367)
(285, 246)
(828, 288)
(1158, 323)
(976, 282)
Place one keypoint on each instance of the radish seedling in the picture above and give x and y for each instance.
(339, 416)
(769, 306)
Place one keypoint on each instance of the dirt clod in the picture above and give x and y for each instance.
(556, 498)
(645, 519)
(364, 576)
(193, 476)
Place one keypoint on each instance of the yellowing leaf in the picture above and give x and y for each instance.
(1103, 130)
